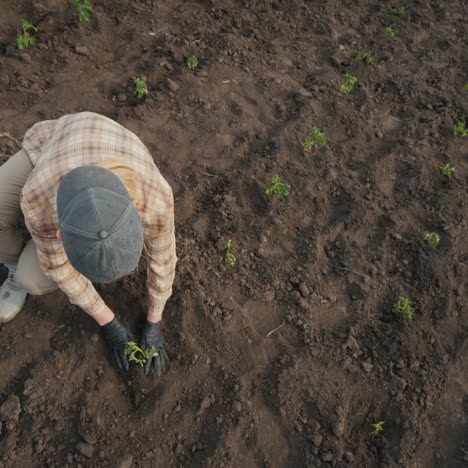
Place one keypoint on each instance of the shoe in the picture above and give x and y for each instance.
(12, 299)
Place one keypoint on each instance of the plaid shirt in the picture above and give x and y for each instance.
(58, 146)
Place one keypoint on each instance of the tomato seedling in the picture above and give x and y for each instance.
(400, 11)
(377, 428)
(447, 170)
(365, 58)
(139, 355)
(389, 32)
(84, 10)
(403, 308)
(229, 259)
(431, 237)
(24, 38)
(278, 188)
(459, 129)
(141, 89)
(317, 140)
(349, 84)
(192, 63)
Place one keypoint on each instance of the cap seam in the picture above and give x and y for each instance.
(94, 208)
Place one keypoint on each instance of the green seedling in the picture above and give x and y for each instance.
(400, 11)
(141, 89)
(84, 10)
(24, 38)
(465, 86)
(403, 308)
(229, 259)
(377, 428)
(350, 82)
(138, 355)
(278, 188)
(192, 63)
(365, 58)
(317, 140)
(431, 237)
(389, 32)
(459, 129)
(447, 170)
(269, 3)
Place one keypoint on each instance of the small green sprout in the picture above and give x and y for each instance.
(24, 38)
(403, 308)
(400, 11)
(229, 259)
(141, 89)
(447, 170)
(378, 428)
(138, 355)
(431, 237)
(84, 10)
(459, 129)
(269, 3)
(389, 32)
(365, 58)
(350, 82)
(317, 140)
(465, 86)
(278, 188)
(192, 63)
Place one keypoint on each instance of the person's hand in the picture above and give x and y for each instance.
(116, 336)
(152, 337)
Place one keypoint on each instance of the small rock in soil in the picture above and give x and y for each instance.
(126, 462)
(338, 428)
(82, 50)
(11, 409)
(4, 78)
(349, 457)
(206, 403)
(317, 440)
(85, 449)
(173, 86)
(367, 366)
(304, 290)
(87, 435)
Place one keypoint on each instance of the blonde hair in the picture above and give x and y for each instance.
(126, 173)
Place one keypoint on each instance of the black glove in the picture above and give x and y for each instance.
(152, 337)
(116, 336)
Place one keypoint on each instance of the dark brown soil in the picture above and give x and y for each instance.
(327, 263)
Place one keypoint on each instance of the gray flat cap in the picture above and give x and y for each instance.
(101, 231)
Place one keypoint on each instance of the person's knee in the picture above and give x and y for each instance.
(3, 227)
(31, 285)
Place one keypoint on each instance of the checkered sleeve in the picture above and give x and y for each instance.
(160, 251)
(56, 266)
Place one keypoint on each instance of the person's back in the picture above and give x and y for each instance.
(92, 199)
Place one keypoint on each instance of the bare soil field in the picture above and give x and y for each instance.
(287, 359)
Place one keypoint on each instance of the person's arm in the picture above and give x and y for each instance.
(160, 251)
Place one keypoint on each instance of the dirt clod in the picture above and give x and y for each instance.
(85, 449)
(11, 409)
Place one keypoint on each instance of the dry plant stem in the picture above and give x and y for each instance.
(275, 329)
(7, 135)
(205, 173)
(352, 271)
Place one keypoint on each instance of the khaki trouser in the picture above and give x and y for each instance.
(13, 247)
